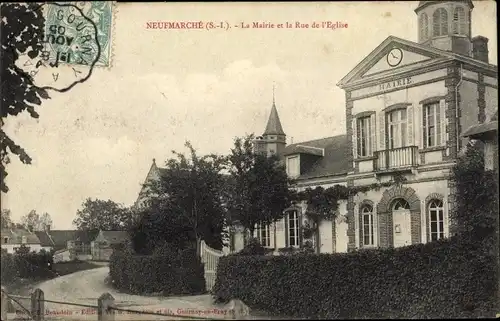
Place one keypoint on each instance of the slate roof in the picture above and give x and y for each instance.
(334, 162)
(422, 4)
(15, 236)
(479, 129)
(45, 239)
(113, 237)
(273, 123)
(61, 237)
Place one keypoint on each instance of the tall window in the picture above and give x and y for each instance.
(396, 125)
(293, 166)
(293, 229)
(440, 22)
(436, 219)
(364, 136)
(424, 26)
(263, 235)
(368, 225)
(459, 21)
(431, 125)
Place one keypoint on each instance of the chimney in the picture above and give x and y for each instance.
(480, 48)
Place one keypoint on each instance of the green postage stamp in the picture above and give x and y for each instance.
(80, 32)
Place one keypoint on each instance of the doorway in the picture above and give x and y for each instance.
(401, 220)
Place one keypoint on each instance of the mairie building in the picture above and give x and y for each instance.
(407, 105)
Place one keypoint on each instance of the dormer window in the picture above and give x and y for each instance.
(440, 22)
(23, 239)
(293, 166)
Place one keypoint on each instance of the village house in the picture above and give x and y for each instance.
(105, 242)
(407, 105)
(13, 239)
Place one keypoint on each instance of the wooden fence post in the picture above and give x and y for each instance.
(4, 304)
(37, 305)
(104, 302)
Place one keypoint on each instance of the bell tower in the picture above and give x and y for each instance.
(446, 25)
(273, 140)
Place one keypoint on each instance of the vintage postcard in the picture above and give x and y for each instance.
(253, 160)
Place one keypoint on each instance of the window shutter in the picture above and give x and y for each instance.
(423, 221)
(299, 221)
(287, 241)
(381, 130)
(410, 135)
(442, 114)
(446, 225)
(357, 228)
(373, 134)
(419, 129)
(354, 139)
(375, 225)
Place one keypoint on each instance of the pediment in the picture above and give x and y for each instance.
(395, 58)
(394, 55)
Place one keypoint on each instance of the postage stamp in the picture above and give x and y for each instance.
(63, 17)
(71, 48)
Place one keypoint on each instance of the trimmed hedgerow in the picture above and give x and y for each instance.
(167, 272)
(446, 279)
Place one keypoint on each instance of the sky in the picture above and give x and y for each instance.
(166, 87)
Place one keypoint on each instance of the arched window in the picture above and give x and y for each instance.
(440, 22)
(368, 225)
(436, 219)
(424, 26)
(400, 204)
(459, 21)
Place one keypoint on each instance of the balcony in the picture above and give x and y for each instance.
(397, 159)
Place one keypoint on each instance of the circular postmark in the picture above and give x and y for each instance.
(71, 49)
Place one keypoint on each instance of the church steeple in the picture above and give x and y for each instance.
(273, 141)
(273, 123)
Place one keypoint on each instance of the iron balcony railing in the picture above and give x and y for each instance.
(396, 158)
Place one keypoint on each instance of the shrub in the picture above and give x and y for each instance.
(448, 278)
(26, 265)
(253, 247)
(168, 270)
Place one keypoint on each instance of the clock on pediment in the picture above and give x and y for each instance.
(394, 57)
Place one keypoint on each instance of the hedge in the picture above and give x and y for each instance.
(26, 265)
(443, 279)
(167, 273)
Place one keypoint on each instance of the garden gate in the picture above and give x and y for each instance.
(210, 259)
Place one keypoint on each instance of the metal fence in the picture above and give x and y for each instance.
(105, 310)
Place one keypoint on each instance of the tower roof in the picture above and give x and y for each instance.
(274, 124)
(422, 4)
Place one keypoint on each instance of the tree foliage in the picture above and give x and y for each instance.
(258, 190)
(22, 30)
(475, 215)
(322, 204)
(97, 214)
(186, 203)
(6, 219)
(35, 222)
